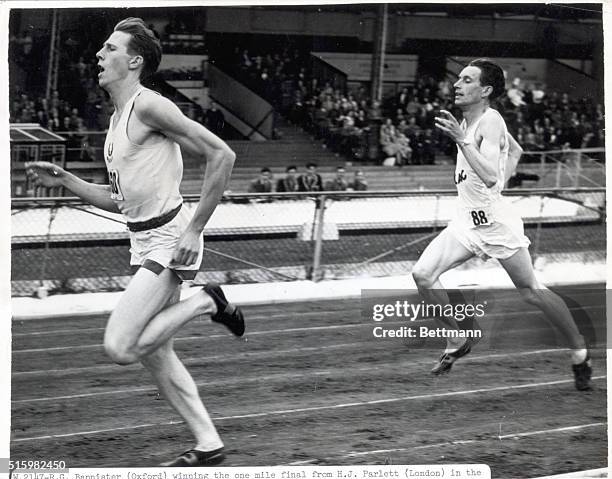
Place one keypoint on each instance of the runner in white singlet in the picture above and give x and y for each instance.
(484, 224)
(144, 182)
(143, 157)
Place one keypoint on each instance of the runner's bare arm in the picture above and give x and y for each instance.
(514, 155)
(163, 116)
(47, 174)
(483, 159)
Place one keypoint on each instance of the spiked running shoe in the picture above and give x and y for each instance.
(195, 458)
(582, 374)
(227, 314)
(446, 361)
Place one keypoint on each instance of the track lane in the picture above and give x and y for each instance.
(311, 369)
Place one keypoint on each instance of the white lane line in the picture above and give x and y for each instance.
(250, 355)
(546, 431)
(225, 382)
(284, 412)
(196, 359)
(600, 473)
(211, 336)
(453, 443)
(101, 328)
(257, 316)
(56, 331)
(282, 331)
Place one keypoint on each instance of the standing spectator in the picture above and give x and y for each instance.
(214, 119)
(288, 184)
(311, 180)
(402, 99)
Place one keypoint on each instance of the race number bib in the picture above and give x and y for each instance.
(480, 217)
(116, 194)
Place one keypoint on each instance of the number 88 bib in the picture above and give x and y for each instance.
(477, 217)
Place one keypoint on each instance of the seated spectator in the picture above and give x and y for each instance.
(288, 184)
(394, 144)
(339, 183)
(311, 180)
(404, 152)
(263, 183)
(359, 182)
(428, 151)
(320, 121)
(531, 140)
(361, 120)
(412, 129)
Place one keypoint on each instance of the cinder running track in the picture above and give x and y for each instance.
(312, 386)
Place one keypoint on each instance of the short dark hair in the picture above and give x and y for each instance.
(290, 167)
(491, 75)
(338, 168)
(143, 43)
(309, 165)
(265, 169)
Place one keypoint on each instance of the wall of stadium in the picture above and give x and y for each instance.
(360, 25)
(358, 66)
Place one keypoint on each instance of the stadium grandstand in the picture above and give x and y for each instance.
(347, 92)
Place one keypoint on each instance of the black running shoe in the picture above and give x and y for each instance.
(195, 458)
(446, 361)
(227, 314)
(582, 374)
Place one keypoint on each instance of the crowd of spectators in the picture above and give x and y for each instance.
(63, 118)
(347, 122)
(400, 129)
(310, 180)
(58, 114)
(542, 120)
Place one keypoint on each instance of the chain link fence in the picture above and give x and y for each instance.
(60, 245)
(563, 168)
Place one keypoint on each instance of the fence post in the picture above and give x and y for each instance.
(318, 237)
(578, 169)
(542, 165)
(558, 178)
(436, 213)
(536, 240)
(42, 291)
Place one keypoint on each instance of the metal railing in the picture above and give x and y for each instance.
(63, 245)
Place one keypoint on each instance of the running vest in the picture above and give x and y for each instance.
(144, 180)
(472, 191)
